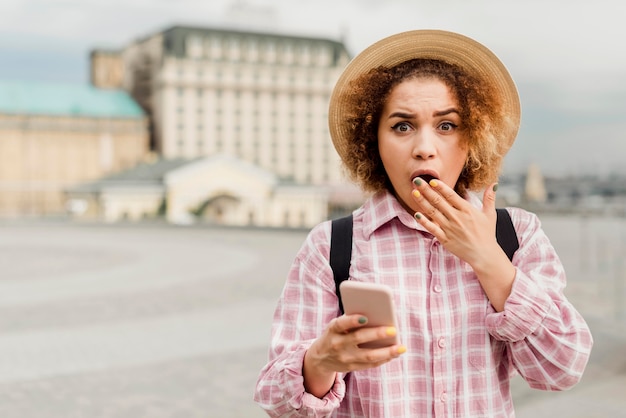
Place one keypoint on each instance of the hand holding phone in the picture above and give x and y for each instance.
(375, 302)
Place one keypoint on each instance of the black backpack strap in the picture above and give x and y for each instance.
(505, 233)
(341, 251)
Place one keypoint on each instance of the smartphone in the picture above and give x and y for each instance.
(375, 302)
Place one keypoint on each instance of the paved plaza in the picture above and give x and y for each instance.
(154, 321)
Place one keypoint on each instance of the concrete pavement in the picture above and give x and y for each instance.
(160, 321)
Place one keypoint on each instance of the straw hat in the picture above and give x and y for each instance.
(450, 47)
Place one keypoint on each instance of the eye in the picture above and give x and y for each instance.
(402, 127)
(447, 126)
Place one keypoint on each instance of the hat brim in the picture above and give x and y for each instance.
(446, 46)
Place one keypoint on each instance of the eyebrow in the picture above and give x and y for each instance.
(446, 112)
(403, 115)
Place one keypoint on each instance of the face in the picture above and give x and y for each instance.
(419, 134)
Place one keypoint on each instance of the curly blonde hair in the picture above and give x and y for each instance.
(483, 122)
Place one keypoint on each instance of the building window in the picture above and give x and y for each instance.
(234, 49)
(193, 46)
(215, 48)
(270, 52)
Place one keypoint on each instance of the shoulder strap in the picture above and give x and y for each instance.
(505, 233)
(341, 245)
(341, 251)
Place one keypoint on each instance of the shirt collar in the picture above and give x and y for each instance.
(383, 207)
(380, 209)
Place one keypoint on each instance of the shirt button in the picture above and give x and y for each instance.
(438, 288)
(441, 342)
(444, 397)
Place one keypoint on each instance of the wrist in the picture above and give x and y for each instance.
(317, 379)
(496, 276)
(489, 261)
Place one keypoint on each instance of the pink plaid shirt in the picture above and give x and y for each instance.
(460, 352)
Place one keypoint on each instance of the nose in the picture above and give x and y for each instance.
(424, 144)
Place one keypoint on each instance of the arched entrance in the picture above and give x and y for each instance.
(220, 209)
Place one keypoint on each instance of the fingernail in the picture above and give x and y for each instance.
(418, 216)
(401, 349)
(495, 187)
(433, 183)
(416, 193)
(362, 320)
(417, 181)
(391, 331)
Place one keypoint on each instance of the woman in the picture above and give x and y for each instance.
(423, 119)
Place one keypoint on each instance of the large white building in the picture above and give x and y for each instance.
(261, 98)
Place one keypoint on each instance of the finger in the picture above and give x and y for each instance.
(448, 193)
(367, 335)
(377, 356)
(489, 200)
(437, 197)
(346, 323)
(431, 226)
(426, 207)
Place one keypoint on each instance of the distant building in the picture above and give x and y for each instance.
(186, 191)
(258, 97)
(535, 188)
(54, 136)
(107, 69)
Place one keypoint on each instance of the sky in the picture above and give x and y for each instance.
(566, 56)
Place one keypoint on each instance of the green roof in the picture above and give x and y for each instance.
(59, 99)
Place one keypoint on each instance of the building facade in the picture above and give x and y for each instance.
(218, 190)
(262, 98)
(55, 136)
